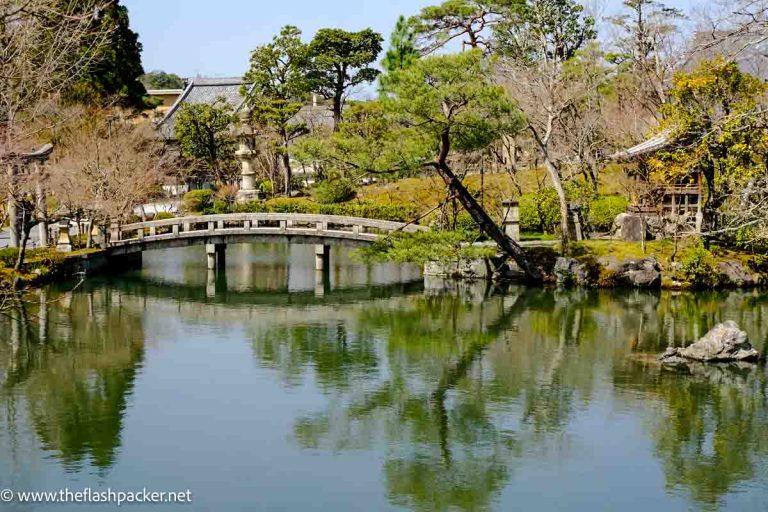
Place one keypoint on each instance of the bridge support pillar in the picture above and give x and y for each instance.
(322, 283)
(322, 257)
(216, 255)
(216, 283)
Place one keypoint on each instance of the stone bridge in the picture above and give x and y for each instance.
(216, 231)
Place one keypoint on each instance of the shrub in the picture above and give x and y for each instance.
(164, 216)
(392, 212)
(334, 191)
(285, 205)
(601, 212)
(540, 211)
(198, 201)
(267, 187)
(220, 207)
(8, 256)
(226, 194)
(695, 268)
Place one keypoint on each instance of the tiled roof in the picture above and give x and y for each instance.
(203, 91)
(649, 146)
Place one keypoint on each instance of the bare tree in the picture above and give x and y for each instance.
(109, 166)
(539, 48)
(648, 49)
(45, 46)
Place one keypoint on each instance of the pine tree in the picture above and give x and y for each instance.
(117, 70)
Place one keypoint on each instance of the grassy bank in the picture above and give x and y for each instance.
(686, 265)
(40, 266)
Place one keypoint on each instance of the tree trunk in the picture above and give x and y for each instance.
(13, 215)
(557, 184)
(89, 235)
(481, 217)
(336, 112)
(42, 209)
(288, 171)
(26, 227)
(711, 203)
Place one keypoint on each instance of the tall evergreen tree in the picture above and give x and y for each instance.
(279, 76)
(118, 68)
(341, 61)
(402, 47)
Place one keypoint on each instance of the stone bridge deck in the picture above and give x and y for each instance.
(215, 231)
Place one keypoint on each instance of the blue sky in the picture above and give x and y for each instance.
(215, 37)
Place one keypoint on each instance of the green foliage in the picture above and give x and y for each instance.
(468, 20)
(540, 211)
(117, 68)
(198, 201)
(391, 212)
(278, 75)
(8, 256)
(165, 215)
(342, 60)
(334, 191)
(371, 139)
(697, 269)
(161, 80)
(425, 246)
(454, 95)
(602, 211)
(544, 30)
(714, 122)
(402, 47)
(204, 134)
(267, 187)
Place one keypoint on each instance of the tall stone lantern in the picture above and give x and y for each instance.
(247, 153)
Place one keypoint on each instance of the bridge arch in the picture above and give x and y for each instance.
(217, 231)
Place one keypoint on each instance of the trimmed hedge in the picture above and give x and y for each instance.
(540, 211)
(397, 213)
(334, 191)
(164, 216)
(197, 201)
(604, 210)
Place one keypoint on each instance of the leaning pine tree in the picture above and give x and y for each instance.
(449, 104)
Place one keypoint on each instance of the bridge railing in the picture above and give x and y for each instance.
(257, 223)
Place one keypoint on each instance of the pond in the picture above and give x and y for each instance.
(267, 388)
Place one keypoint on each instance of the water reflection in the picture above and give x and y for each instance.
(273, 267)
(462, 390)
(455, 397)
(70, 366)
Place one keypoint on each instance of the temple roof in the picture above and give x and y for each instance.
(203, 91)
(656, 143)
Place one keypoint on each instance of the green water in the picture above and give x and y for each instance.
(266, 388)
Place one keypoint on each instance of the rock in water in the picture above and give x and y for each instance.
(725, 342)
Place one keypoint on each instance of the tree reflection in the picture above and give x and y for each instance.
(74, 373)
(711, 428)
(459, 390)
(430, 391)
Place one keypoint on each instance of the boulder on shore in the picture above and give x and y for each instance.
(726, 342)
(571, 272)
(634, 273)
(733, 273)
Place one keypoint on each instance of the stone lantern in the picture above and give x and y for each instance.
(512, 219)
(246, 153)
(64, 242)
